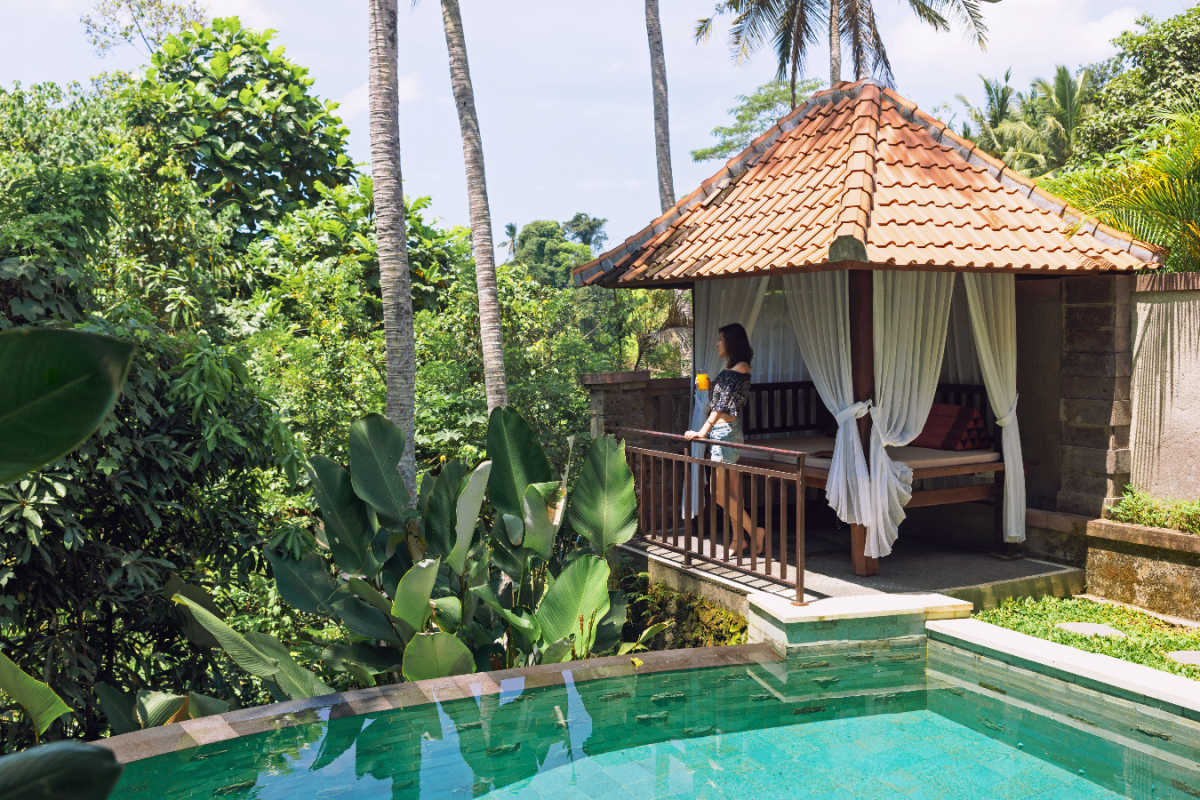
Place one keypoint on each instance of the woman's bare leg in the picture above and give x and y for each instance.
(728, 495)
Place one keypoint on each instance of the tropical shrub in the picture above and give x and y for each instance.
(1141, 508)
(441, 584)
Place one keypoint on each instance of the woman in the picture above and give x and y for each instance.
(726, 408)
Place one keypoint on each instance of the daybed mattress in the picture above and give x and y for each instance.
(915, 457)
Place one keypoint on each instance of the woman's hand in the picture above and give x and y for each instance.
(692, 435)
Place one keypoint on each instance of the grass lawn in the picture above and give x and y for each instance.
(1147, 638)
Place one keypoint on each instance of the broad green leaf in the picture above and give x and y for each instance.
(305, 584)
(538, 519)
(608, 632)
(441, 509)
(58, 386)
(369, 594)
(470, 500)
(436, 655)
(517, 460)
(191, 629)
(523, 625)
(557, 652)
(236, 646)
(295, 681)
(580, 591)
(158, 708)
(59, 770)
(201, 705)
(604, 504)
(40, 702)
(361, 617)
(118, 707)
(447, 613)
(373, 657)
(514, 529)
(376, 447)
(347, 528)
(411, 601)
(643, 641)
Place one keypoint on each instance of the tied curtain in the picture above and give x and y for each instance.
(992, 302)
(819, 309)
(714, 304)
(911, 313)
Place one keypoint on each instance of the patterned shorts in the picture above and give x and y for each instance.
(726, 432)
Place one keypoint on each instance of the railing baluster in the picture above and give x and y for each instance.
(661, 482)
(688, 520)
(768, 530)
(800, 524)
(641, 492)
(673, 511)
(713, 531)
(754, 522)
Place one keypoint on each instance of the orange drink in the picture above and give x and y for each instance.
(702, 381)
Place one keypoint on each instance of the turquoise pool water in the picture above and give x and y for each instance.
(817, 728)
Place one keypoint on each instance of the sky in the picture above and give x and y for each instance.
(562, 87)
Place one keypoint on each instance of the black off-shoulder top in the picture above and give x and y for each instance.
(730, 392)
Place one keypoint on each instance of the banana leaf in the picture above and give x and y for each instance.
(604, 503)
(517, 460)
(348, 531)
(436, 655)
(376, 447)
(59, 770)
(579, 595)
(466, 516)
(58, 386)
(40, 702)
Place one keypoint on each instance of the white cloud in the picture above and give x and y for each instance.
(354, 103)
(1031, 36)
(252, 12)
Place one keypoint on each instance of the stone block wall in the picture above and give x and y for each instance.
(1094, 410)
(635, 400)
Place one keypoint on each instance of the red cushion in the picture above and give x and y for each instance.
(953, 427)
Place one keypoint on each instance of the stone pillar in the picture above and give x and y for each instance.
(1094, 409)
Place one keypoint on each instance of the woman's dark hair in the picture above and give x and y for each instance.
(737, 343)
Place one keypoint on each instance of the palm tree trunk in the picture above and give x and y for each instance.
(679, 314)
(835, 43)
(481, 215)
(662, 131)
(388, 188)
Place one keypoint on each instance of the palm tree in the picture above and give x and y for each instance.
(658, 83)
(1062, 105)
(510, 242)
(1155, 196)
(480, 214)
(388, 189)
(790, 26)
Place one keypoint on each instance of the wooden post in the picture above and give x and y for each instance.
(862, 370)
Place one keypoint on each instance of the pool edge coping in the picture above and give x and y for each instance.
(1174, 693)
(164, 739)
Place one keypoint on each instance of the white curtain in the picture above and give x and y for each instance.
(776, 357)
(911, 311)
(992, 301)
(716, 303)
(820, 317)
(961, 365)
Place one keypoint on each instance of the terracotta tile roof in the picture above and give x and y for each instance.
(860, 177)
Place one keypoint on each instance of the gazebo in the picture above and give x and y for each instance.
(837, 239)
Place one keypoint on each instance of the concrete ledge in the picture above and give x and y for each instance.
(1162, 538)
(862, 618)
(1066, 582)
(1106, 674)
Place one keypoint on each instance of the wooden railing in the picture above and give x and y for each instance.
(785, 407)
(755, 497)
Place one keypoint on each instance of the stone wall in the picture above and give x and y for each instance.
(1148, 567)
(1039, 386)
(1094, 406)
(635, 400)
(1165, 398)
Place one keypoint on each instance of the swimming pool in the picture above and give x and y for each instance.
(877, 719)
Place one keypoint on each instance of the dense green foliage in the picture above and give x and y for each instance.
(1147, 640)
(697, 622)
(206, 212)
(1155, 68)
(242, 120)
(1140, 508)
(752, 114)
